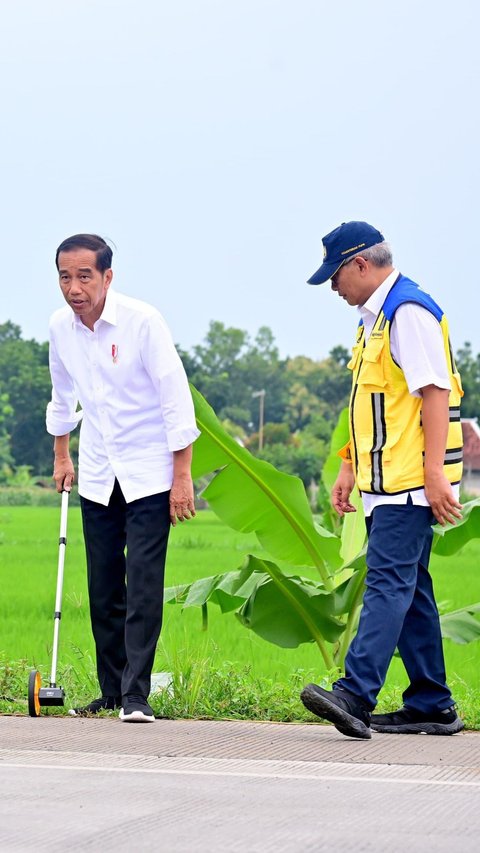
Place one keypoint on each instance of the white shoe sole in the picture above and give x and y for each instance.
(135, 717)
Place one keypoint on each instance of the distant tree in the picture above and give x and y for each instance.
(332, 383)
(340, 355)
(188, 361)
(214, 368)
(24, 376)
(468, 365)
(272, 434)
(6, 458)
(10, 332)
(318, 389)
(261, 368)
(301, 402)
(303, 456)
(228, 368)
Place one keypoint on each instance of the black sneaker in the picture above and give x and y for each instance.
(135, 709)
(407, 721)
(104, 703)
(342, 709)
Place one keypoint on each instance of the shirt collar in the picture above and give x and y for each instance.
(374, 303)
(109, 313)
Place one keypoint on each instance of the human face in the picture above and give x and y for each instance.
(351, 281)
(83, 286)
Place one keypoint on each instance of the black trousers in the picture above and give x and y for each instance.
(126, 546)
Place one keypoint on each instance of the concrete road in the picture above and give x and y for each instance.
(73, 784)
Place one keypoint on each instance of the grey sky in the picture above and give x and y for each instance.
(215, 142)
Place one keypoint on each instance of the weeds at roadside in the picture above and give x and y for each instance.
(77, 680)
(199, 690)
(230, 693)
(468, 703)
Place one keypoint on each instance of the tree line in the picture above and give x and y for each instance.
(301, 398)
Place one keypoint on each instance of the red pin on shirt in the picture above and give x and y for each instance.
(114, 353)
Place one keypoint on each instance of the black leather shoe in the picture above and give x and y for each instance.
(407, 721)
(342, 709)
(105, 703)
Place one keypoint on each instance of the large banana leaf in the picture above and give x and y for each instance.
(287, 612)
(228, 590)
(251, 495)
(276, 604)
(353, 527)
(461, 626)
(338, 440)
(452, 537)
(231, 589)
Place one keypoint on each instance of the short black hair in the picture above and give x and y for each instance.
(103, 252)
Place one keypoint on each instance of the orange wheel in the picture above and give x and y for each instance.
(34, 684)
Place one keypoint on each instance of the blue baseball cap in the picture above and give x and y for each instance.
(341, 244)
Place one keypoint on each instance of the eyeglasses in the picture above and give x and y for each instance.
(343, 264)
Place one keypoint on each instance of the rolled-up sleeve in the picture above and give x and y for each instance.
(62, 416)
(168, 375)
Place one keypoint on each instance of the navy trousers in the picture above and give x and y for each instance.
(399, 611)
(126, 547)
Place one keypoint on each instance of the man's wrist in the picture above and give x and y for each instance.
(182, 475)
(434, 470)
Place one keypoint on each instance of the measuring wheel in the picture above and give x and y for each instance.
(51, 695)
(34, 685)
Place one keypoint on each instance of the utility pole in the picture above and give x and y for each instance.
(261, 396)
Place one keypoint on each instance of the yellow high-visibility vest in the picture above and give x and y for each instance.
(386, 435)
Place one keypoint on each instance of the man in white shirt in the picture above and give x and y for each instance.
(405, 456)
(115, 356)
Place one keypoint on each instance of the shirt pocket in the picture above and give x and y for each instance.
(372, 373)
(356, 350)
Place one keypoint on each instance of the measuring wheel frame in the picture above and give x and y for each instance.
(52, 695)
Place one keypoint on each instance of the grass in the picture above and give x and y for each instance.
(224, 672)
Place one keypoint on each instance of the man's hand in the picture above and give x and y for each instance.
(63, 470)
(63, 473)
(440, 496)
(438, 490)
(182, 503)
(342, 490)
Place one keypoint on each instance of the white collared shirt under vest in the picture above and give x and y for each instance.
(136, 404)
(417, 347)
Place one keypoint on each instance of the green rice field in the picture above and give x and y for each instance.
(203, 546)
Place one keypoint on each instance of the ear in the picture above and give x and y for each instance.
(107, 278)
(362, 264)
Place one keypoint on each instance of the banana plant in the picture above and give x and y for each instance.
(249, 495)
(450, 539)
(273, 597)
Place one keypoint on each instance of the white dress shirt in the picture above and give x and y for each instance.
(136, 404)
(416, 343)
